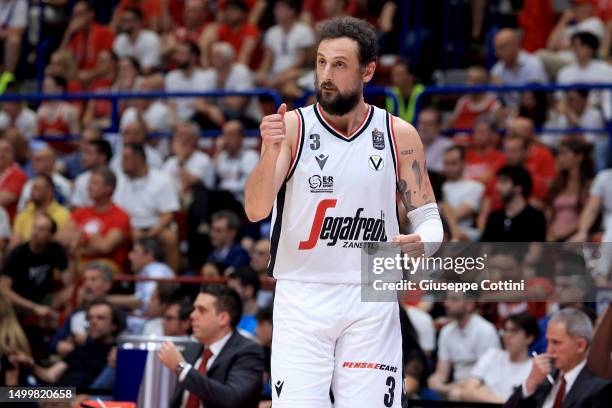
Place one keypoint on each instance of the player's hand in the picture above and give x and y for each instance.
(410, 244)
(542, 366)
(273, 130)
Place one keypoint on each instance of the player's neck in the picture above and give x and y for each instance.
(350, 121)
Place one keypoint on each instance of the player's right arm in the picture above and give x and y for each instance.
(268, 176)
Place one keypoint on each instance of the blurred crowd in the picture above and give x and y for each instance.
(82, 207)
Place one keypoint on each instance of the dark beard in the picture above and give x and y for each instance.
(341, 104)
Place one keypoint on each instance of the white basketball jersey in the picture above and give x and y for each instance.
(339, 197)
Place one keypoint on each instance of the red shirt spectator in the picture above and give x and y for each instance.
(317, 11)
(151, 10)
(537, 19)
(482, 165)
(541, 163)
(90, 221)
(468, 110)
(12, 178)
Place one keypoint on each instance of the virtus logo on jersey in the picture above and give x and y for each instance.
(355, 231)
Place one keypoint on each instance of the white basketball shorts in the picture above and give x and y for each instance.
(325, 337)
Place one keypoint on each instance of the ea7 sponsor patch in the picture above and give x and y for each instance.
(371, 366)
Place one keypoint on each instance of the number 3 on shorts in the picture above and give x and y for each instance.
(390, 396)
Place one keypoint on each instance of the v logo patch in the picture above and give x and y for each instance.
(322, 159)
(376, 163)
(279, 387)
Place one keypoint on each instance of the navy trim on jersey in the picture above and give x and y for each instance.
(276, 230)
(391, 145)
(301, 145)
(338, 135)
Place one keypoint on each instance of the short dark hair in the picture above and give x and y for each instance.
(226, 300)
(194, 50)
(151, 245)
(239, 4)
(526, 323)
(60, 81)
(519, 177)
(264, 314)
(233, 221)
(185, 308)
(247, 277)
(457, 148)
(136, 11)
(138, 149)
(107, 175)
(588, 39)
(292, 4)
(360, 31)
(165, 292)
(118, 317)
(103, 147)
(47, 179)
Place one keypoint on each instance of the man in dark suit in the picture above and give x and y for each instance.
(569, 334)
(226, 372)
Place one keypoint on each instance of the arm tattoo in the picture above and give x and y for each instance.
(417, 174)
(405, 196)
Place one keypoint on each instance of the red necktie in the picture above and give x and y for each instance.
(193, 401)
(560, 394)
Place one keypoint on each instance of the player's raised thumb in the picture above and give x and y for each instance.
(282, 109)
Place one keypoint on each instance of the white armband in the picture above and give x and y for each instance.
(426, 222)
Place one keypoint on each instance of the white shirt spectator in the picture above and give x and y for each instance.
(177, 81)
(529, 69)
(144, 290)
(240, 78)
(500, 374)
(146, 49)
(592, 25)
(154, 327)
(434, 153)
(463, 191)
(602, 188)
(25, 122)
(80, 193)
(157, 117)
(424, 326)
(198, 165)
(154, 158)
(13, 13)
(61, 183)
(5, 224)
(462, 347)
(285, 46)
(233, 171)
(597, 72)
(146, 198)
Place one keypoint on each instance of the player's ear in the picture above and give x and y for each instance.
(368, 72)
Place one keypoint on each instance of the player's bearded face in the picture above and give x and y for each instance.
(336, 102)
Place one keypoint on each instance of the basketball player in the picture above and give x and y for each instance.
(332, 172)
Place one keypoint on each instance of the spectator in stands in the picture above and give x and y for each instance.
(461, 343)
(472, 106)
(146, 260)
(581, 17)
(228, 371)
(569, 335)
(435, 144)
(85, 38)
(136, 41)
(188, 165)
(44, 164)
(260, 256)
(101, 230)
(135, 133)
(162, 297)
(188, 77)
(587, 69)
(245, 281)
(196, 19)
(97, 283)
(177, 320)
(149, 198)
(14, 22)
(515, 67)
(227, 252)
(228, 75)
(498, 372)
(314, 11)
(570, 191)
(57, 117)
(234, 162)
(13, 341)
(517, 221)
(17, 115)
(483, 159)
(423, 325)
(236, 30)
(535, 105)
(128, 73)
(81, 367)
(73, 164)
(95, 153)
(98, 112)
(287, 47)
(462, 195)
(12, 178)
(153, 13)
(28, 274)
(406, 88)
(42, 201)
